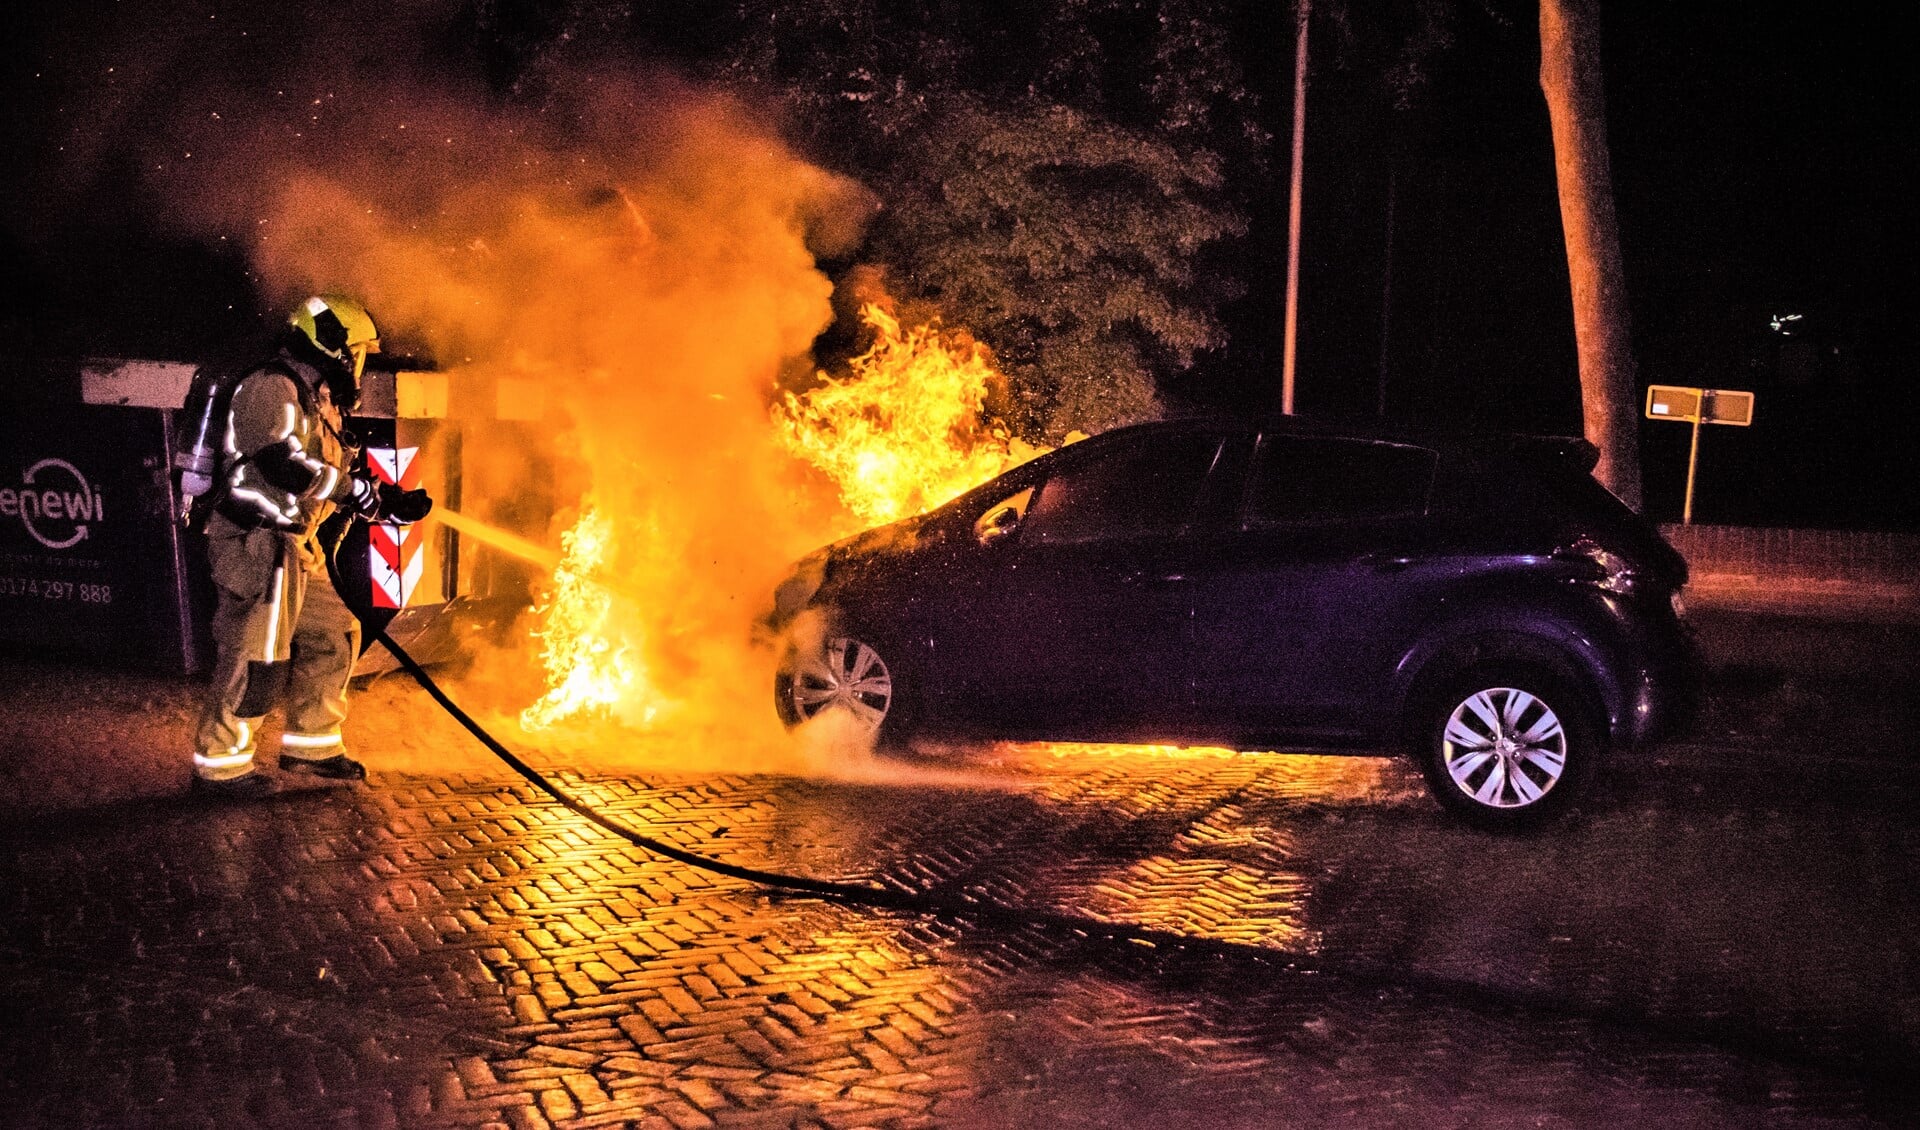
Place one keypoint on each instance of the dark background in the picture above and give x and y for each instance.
(1760, 169)
(1760, 159)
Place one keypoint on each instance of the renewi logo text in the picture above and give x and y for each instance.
(54, 502)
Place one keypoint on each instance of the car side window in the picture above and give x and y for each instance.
(1141, 490)
(1300, 479)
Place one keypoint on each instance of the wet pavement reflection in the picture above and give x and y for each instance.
(1713, 944)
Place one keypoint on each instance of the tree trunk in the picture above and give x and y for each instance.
(1570, 77)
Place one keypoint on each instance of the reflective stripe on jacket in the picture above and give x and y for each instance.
(284, 459)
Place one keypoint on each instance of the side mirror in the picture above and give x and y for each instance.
(1003, 519)
(996, 524)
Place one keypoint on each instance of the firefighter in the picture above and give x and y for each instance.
(281, 632)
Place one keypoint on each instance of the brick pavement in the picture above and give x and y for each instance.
(1711, 946)
(1727, 938)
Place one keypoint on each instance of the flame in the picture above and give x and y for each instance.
(642, 250)
(904, 430)
(589, 661)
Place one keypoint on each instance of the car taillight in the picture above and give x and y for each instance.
(1611, 572)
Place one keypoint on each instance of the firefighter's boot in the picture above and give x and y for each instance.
(339, 767)
(246, 786)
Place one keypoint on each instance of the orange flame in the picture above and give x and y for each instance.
(589, 660)
(645, 254)
(904, 431)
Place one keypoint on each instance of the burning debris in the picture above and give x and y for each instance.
(590, 665)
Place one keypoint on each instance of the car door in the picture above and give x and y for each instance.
(1070, 616)
(1298, 608)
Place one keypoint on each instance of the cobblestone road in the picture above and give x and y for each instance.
(1727, 938)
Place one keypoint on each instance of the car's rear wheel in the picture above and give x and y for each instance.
(1507, 746)
(842, 672)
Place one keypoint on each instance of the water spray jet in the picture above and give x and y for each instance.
(516, 546)
(496, 537)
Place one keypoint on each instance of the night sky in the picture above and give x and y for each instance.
(1761, 162)
(1760, 166)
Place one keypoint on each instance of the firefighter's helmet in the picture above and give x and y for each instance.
(339, 327)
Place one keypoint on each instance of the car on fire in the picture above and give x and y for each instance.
(1478, 600)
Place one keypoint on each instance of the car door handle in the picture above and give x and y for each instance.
(1385, 562)
(1154, 580)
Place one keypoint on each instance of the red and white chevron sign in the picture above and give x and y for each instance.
(396, 465)
(394, 560)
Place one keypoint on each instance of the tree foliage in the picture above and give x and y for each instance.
(1069, 243)
(1050, 175)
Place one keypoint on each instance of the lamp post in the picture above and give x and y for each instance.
(1302, 10)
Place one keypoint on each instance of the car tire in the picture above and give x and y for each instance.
(1508, 745)
(846, 672)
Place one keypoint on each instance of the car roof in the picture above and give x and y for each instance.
(1454, 440)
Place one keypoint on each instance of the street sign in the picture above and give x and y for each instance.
(1667, 402)
(1702, 405)
(1698, 406)
(1729, 406)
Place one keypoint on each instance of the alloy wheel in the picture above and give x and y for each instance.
(1504, 747)
(848, 673)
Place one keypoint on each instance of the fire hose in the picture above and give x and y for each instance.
(958, 904)
(967, 903)
(864, 894)
(978, 907)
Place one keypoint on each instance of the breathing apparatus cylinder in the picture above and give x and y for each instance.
(196, 456)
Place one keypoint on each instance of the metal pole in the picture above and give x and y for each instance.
(1386, 294)
(1693, 461)
(1302, 10)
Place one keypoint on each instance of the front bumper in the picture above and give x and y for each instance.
(1665, 696)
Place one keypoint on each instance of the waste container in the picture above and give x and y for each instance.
(93, 565)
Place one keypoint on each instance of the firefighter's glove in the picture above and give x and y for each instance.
(362, 499)
(377, 500)
(400, 505)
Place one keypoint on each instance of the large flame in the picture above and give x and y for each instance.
(590, 661)
(641, 251)
(904, 430)
(645, 263)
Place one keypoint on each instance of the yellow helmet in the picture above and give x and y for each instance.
(339, 327)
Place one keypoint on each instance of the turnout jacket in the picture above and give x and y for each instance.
(287, 457)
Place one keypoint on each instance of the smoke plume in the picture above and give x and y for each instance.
(641, 250)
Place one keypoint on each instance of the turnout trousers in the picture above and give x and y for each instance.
(281, 634)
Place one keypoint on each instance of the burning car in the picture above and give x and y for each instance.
(1478, 600)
